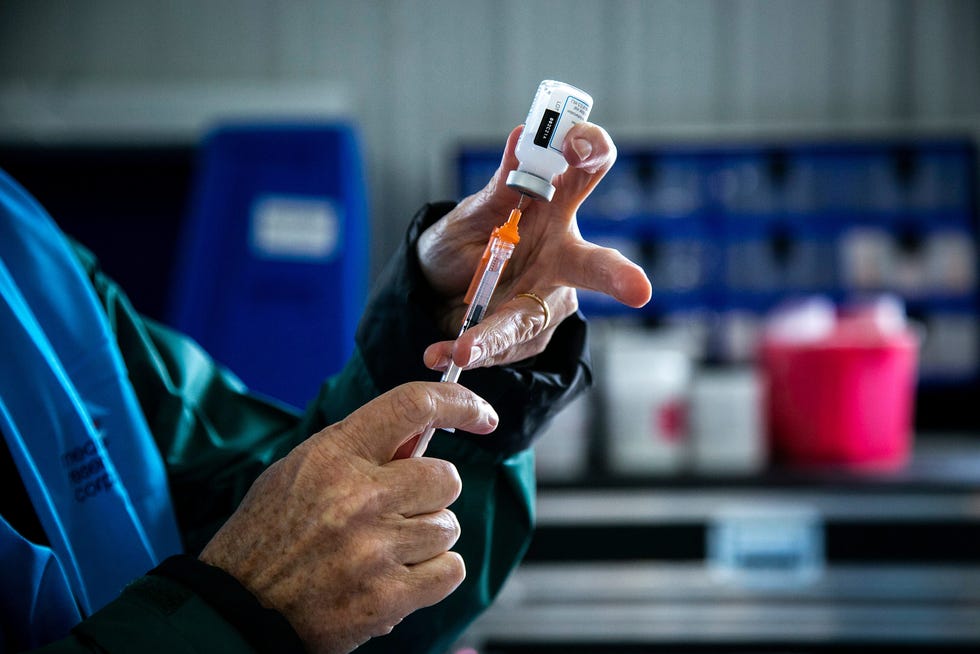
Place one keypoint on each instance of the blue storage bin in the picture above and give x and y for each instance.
(618, 200)
(272, 264)
(475, 165)
(913, 230)
(673, 182)
(775, 242)
(682, 268)
(763, 180)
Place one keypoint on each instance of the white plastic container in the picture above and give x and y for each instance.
(561, 452)
(555, 109)
(726, 421)
(645, 382)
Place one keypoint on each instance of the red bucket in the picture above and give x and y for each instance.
(847, 398)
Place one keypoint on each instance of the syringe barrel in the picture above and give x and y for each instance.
(500, 251)
(495, 258)
(497, 250)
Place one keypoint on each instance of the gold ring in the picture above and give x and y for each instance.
(544, 307)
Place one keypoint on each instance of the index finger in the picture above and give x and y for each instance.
(589, 148)
(376, 430)
(505, 333)
(590, 153)
(422, 485)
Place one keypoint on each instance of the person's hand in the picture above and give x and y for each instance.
(344, 537)
(551, 260)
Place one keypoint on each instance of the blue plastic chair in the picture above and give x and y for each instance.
(272, 263)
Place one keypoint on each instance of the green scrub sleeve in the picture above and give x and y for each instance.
(156, 614)
(152, 615)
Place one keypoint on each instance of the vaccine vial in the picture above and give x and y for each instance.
(555, 108)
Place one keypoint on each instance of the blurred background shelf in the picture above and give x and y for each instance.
(787, 561)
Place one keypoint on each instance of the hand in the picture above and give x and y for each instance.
(342, 536)
(551, 260)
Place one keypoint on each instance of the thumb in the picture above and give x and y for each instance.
(376, 430)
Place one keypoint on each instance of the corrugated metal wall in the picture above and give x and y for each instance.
(426, 73)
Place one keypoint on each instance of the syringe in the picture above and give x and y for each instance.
(495, 257)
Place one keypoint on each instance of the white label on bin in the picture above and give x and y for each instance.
(766, 546)
(291, 227)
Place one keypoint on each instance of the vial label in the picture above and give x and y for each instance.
(547, 128)
(555, 122)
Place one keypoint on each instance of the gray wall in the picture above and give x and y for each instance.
(421, 74)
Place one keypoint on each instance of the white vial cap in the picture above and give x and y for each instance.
(533, 185)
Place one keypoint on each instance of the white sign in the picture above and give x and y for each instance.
(291, 227)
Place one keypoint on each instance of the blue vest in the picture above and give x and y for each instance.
(76, 434)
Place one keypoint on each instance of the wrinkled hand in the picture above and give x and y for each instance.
(551, 260)
(344, 536)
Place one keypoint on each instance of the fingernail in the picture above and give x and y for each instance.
(582, 148)
(490, 417)
(476, 353)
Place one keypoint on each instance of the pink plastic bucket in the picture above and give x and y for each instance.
(845, 399)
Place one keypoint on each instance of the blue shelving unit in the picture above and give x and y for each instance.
(740, 227)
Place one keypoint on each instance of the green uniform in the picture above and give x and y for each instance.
(216, 438)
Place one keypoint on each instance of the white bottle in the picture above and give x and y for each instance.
(555, 108)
